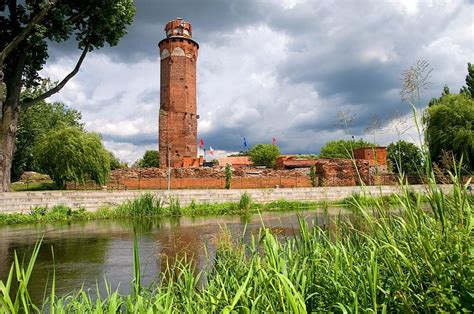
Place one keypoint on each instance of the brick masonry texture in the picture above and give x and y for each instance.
(178, 109)
(330, 172)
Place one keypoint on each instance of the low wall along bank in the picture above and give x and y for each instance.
(92, 200)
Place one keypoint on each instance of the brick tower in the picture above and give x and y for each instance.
(178, 112)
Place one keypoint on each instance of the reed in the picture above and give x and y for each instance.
(411, 261)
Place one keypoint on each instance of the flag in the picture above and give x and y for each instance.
(211, 151)
(201, 143)
(245, 142)
(274, 141)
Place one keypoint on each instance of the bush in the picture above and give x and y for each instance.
(228, 176)
(312, 176)
(264, 155)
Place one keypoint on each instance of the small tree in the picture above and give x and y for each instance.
(228, 176)
(115, 163)
(151, 159)
(264, 155)
(405, 157)
(72, 155)
(312, 175)
(342, 148)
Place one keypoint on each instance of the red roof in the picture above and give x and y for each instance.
(235, 161)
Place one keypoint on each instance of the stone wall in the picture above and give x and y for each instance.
(93, 200)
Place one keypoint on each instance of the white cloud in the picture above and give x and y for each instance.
(285, 73)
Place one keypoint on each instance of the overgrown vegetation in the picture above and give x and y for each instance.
(415, 261)
(148, 205)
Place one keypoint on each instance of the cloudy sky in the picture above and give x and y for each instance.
(272, 68)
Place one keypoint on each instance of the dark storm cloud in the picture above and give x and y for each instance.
(281, 68)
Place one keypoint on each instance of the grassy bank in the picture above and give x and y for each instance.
(149, 205)
(414, 261)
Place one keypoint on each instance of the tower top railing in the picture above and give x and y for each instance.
(179, 28)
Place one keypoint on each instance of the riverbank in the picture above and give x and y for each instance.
(419, 260)
(149, 205)
(24, 202)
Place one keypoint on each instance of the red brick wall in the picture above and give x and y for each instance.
(367, 153)
(210, 183)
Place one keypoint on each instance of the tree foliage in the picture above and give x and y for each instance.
(450, 127)
(342, 148)
(73, 155)
(151, 159)
(115, 163)
(469, 88)
(264, 154)
(34, 123)
(26, 30)
(405, 157)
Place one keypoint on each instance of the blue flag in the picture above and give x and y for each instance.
(245, 142)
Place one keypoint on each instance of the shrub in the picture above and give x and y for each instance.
(228, 176)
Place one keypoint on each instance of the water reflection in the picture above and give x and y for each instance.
(87, 252)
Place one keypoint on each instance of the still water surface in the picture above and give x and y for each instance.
(89, 251)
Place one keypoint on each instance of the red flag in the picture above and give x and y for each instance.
(211, 151)
(274, 141)
(201, 143)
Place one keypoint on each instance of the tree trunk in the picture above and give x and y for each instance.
(9, 122)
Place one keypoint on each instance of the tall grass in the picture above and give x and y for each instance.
(412, 261)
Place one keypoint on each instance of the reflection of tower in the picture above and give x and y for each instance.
(178, 113)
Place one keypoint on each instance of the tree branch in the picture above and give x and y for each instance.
(58, 87)
(25, 32)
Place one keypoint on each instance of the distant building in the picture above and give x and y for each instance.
(285, 162)
(376, 156)
(235, 162)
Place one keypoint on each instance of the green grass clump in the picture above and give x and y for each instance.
(245, 202)
(147, 205)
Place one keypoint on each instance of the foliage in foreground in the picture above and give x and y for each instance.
(410, 262)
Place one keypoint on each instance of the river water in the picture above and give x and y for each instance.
(86, 252)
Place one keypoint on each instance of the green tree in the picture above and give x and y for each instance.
(27, 28)
(115, 163)
(342, 148)
(450, 127)
(264, 154)
(73, 155)
(35, 122)
(151, 159)
(469, 88)
(405, 157)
